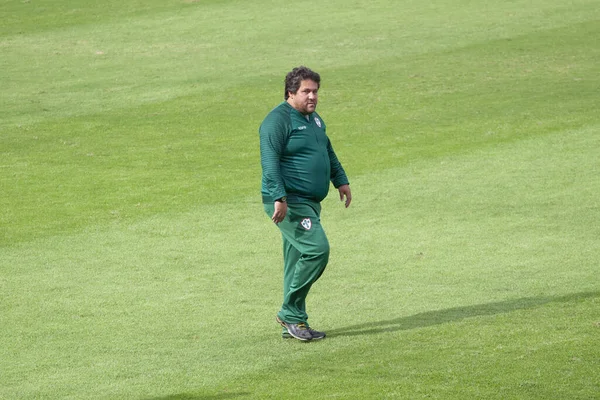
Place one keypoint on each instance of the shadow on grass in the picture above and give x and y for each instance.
(192, 396)
(439, 317)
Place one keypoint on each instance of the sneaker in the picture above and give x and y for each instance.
(299, 331)
(316, 335)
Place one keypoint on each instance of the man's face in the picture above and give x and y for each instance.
(305, 99)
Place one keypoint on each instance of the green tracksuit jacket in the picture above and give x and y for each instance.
(297, 158)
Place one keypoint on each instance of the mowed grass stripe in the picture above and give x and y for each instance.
(110, 65)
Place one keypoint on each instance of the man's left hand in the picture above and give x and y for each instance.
(345, 192)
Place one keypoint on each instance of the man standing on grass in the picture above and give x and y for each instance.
(298, 162)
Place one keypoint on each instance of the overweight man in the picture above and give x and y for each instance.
(298, 164)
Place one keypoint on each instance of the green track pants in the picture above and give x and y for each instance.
(305, 256)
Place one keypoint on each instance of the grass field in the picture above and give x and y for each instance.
(136, 261)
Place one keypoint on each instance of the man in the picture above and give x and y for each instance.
(298, 164)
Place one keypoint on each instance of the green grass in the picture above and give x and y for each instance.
(136, 261)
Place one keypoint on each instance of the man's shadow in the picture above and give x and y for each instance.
(191, 396)
(438, 317)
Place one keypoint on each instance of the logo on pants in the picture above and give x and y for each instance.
(306, 223)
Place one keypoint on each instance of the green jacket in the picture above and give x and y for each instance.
(297, 158)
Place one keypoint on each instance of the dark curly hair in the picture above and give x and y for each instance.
(295, 77)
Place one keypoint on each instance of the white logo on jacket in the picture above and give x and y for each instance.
(306, 224)
(318, 122)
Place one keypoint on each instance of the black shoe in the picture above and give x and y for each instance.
(299, 331)
(316, 335)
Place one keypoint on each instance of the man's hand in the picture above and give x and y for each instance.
(280, 211)
(345, 191)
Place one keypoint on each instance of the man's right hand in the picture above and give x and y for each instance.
(280, 211)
